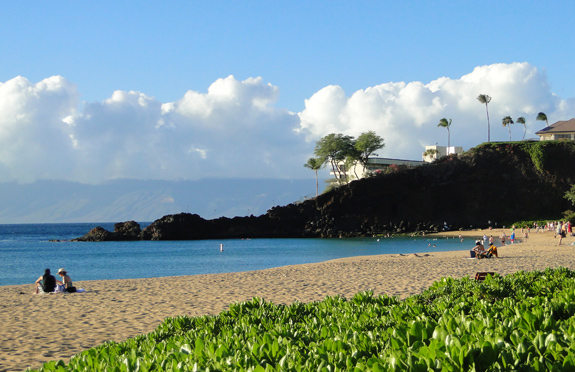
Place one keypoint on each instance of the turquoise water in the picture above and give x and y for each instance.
(25, 251)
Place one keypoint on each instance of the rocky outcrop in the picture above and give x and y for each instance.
(187, 226)
(493, 184)
(129, 230)
(97, 234)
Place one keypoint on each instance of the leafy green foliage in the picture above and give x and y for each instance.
(522, 322)
(336, 148)
(540, 152)
(530, 223)
(333, 149)
(568, 215)
(366, 144)
(570, 195)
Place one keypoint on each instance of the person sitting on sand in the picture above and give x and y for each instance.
(479, 250)
(66, 281)
(492, 251)
(46, 283)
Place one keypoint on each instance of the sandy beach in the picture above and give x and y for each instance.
(38, 328)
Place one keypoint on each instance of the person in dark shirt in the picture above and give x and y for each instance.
(46, 282)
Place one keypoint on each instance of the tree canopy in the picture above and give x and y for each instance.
(314, 164)
(506, 122)
(366, 144)
(542, 117)
(334, 149)
(342, 151)
(446, 124)
(521, 120)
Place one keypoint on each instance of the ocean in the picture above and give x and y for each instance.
(26, 250)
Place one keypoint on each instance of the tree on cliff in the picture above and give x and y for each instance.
(521, 120)
(506, 122)
(484, 98)
(314, 164)
(366, 144)
(344, 152)
(334, 149)
(446, 124)
(541, 116)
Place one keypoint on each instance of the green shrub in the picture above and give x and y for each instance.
(521, 322)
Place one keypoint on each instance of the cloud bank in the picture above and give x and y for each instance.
(407, 114)
(235, 129)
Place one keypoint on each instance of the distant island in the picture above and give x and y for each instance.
(489, 185)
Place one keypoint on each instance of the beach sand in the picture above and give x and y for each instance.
(35, 329)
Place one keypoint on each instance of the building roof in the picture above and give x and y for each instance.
(389, 161)
(559, 127)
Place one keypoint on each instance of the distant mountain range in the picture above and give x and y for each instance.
(145, 201)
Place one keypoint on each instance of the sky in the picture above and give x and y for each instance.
(184, 90)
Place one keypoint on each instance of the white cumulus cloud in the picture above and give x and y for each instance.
(406, 114)
(234, 128)
(35, 141)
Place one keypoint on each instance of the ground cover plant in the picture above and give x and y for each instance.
(521, 322)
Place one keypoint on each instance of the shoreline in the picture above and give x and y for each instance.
(118, 309)
(204, 256)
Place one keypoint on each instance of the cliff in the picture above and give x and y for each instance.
(494, 183)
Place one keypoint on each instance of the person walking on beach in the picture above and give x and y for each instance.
(562, 234)
(503, 238)
(46, 283)
(558, 229)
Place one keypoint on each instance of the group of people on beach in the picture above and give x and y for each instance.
(479, 250)
(47, 283)
(562, 229)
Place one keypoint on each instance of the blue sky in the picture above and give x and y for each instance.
(167, 48)
(319, 52)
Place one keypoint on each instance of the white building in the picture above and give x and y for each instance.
(359, 171)
(373, 164)
(561, 130)
(434, 152)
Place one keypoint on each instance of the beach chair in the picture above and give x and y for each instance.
(482, 275)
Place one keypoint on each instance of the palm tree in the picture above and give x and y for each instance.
(507, 121)
(484, 98)
(521, 120)
(446, 124)
(541, 116)
(314, 164)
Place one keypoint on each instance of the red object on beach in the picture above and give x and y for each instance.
(482, 275)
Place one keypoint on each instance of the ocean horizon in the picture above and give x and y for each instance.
(26, 250)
